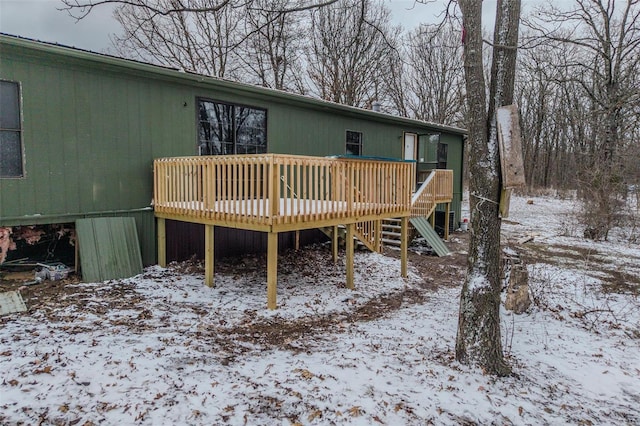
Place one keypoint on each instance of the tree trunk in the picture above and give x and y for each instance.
(478, 341)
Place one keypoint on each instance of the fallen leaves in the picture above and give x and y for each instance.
(315, 414)
(45, 370)
(355, 411)
(145, 314)
(306, 374)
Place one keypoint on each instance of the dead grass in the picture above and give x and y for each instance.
(615, 280)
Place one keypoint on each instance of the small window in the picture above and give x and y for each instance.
(354, 143)
(10, 130)
(443, 149)
(231, 129)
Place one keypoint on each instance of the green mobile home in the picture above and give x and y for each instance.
(80, 131)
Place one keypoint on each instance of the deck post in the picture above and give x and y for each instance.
(446, 221)
(162, 242)
(404, 244)
(349, 250)
(334, 243)
(274, 190)
(272, 269)
(209, 260)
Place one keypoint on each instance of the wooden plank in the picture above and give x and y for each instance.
(350, 254)
(510, 144)
(505, 201)
(334, 243)
(526, 238)
(162, 242)
(208, 255)
(274, 185)
(404, 246)
(272, 270)
(446, 221)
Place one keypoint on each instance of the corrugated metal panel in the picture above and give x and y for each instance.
(424, 228)
(146, 227)
(109, 248)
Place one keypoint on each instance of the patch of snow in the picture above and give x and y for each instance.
(179, 352)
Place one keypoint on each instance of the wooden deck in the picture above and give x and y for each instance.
(275, 193)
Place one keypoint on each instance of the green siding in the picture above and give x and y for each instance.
(92, 126)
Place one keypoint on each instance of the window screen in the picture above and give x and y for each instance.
(10, 130)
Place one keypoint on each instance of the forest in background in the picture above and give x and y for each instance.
(577, 80)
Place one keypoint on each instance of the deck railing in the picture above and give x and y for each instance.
(437, 188)
(273, 189)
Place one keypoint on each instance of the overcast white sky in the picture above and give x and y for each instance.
(40, 20)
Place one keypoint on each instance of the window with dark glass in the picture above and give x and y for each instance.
(231, 129)
(354, 143)
(443, 149)
(10, 130)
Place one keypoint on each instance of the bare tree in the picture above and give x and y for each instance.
(273, 46)
(478, 341)
(546, 121)
(434, 80)
(349, 43)
(607, 34)
(81, 8)
(213, 37)
(200, 42)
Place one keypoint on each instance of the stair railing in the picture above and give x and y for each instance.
(423, 202)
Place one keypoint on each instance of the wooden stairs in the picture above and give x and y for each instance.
(365, 235)
(390, 234)
(436, 189)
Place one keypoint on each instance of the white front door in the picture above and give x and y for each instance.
(410, 146)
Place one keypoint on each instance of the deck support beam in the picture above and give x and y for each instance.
(349, 252)
(404, 245)
(162, 242)
(209, 260)
(446, 221)
(334, 243)
(272, 269)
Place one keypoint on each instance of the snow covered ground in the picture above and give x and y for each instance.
(162, 348)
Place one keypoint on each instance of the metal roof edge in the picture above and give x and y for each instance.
(167, 73)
